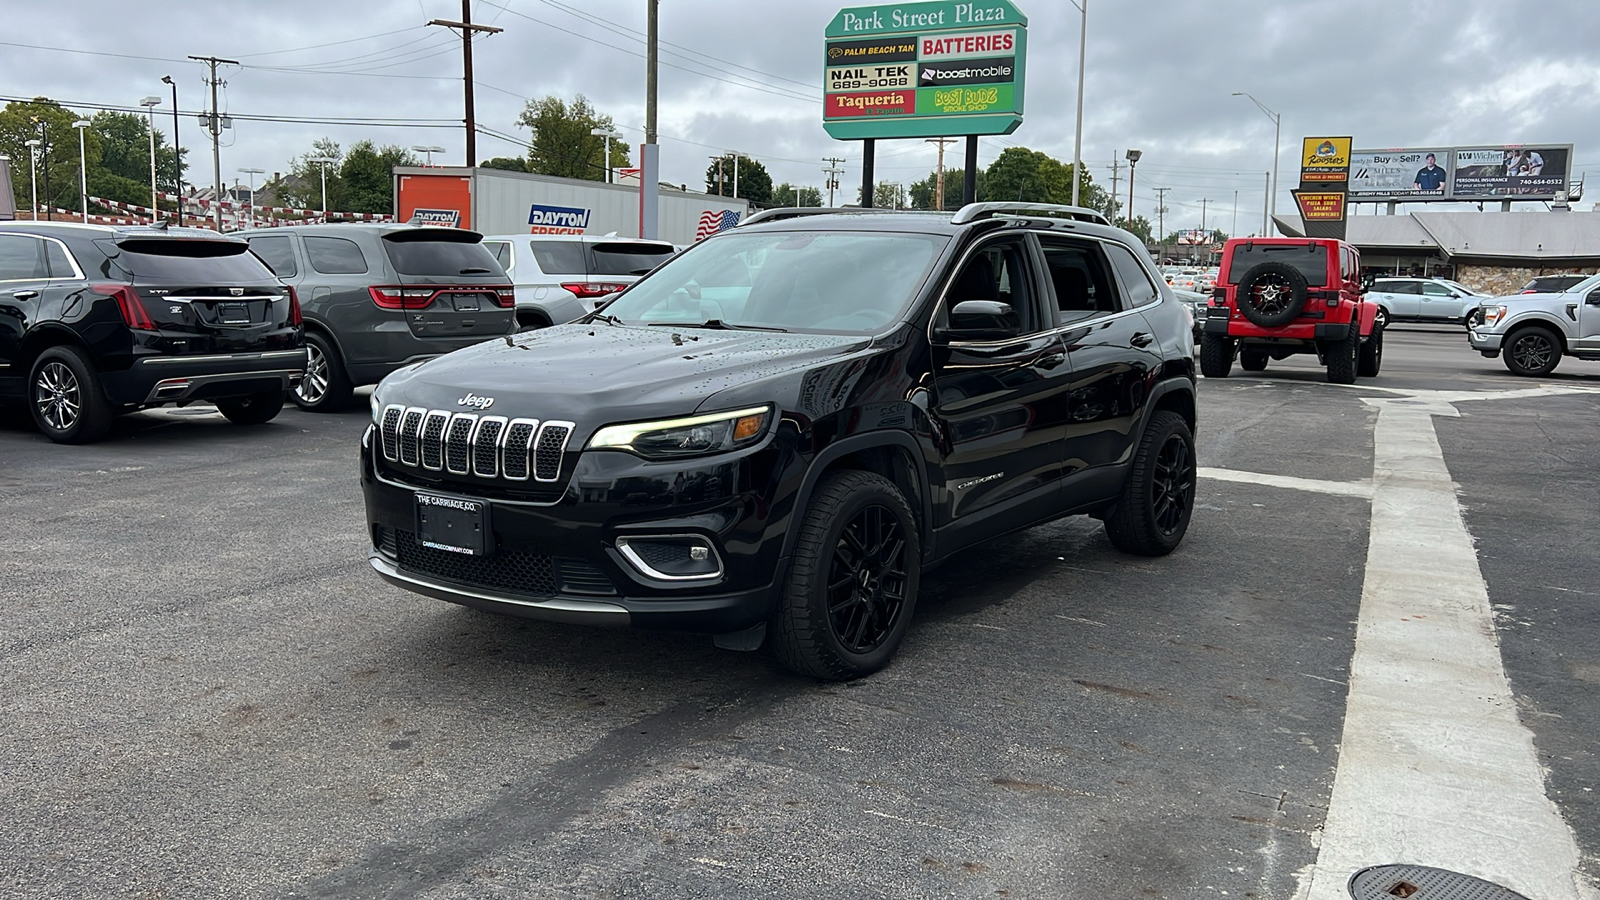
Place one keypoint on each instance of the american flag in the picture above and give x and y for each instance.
(712, 222)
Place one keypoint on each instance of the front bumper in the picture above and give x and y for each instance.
(167, 379)
(558, 558)
(1486, 342)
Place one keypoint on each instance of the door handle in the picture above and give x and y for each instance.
(1050, 361)
(24, 295)
(1140, 339)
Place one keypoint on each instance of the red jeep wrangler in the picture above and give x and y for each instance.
(1276, 297)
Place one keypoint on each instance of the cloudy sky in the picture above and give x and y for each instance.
(745, 75)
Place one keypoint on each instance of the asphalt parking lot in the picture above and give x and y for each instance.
(207, 692)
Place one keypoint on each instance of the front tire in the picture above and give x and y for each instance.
(852, 583)
(255, 409)
(1253, 360)
(66, 399)
(326, 386)
(1157, 501)
(1216, 356)
(1534, 352)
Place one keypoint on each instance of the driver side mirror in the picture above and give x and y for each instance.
(1368, 279)
(1593, 298)
(982, 320)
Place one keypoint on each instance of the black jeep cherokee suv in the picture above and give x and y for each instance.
(97, 321)
(772, 436)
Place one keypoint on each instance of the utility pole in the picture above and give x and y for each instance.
(1161, 214)
(1233, 230)
(214, 125)
(719, 161)
(1203, 202)
(1266, 205)
(833, 172)
(938, 190)
(649, 152)
(1116, 169)
(467, 31)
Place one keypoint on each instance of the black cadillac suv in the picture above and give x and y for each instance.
(774, 435)
(97, 321)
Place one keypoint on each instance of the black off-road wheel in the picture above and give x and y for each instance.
(1342, 357)
(1371, 359)
(1216, 355)
(852, 583)
(1158, 500)
(1533, 351)
(1271, 294)
(326, 386)
(1253, 360)
(66, 399)
(254, 409)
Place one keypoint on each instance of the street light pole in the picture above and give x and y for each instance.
(83, 169)
(430, 151)
(150, 104)
(324, 161)
(1077, 139)
(1133, 161)
(609, 136)
(252, 206)
(33, 173)
(1277, 140)
(177, 154)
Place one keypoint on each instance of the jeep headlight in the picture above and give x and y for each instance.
(690, 436)
(1493, 314)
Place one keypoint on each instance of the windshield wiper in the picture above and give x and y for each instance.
(719, 325)
(475, 270)
(609, 320)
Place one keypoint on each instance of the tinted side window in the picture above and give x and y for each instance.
(620, 258)
(1134, 279)
(999, 272)
(278, 253)
(1435, 290)
(1398, 287)
(335, 256)
(559, 257)
(1081, 278)
(445, 258)
(60, 263)
(20, 258)
(1310, 259)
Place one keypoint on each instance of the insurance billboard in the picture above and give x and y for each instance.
(1496, 172)
(904, 70)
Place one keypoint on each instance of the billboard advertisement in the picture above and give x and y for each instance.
(1499, 172)
(907, 70)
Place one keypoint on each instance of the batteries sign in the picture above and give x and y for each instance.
(925, 69)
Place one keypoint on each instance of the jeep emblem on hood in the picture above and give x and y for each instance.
(475, 401)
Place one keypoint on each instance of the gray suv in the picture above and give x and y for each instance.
(1531, 332)
(378, 297)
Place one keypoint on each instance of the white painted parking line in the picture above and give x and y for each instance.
(1362, 489)
(1435, 768)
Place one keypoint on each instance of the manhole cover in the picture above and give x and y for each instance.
(1424, 883)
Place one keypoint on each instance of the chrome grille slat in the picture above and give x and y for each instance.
(514, 459)
(552, 446)
(486, 446)
(410, 428)
(458, 443)
(389, 429)
(432, 439)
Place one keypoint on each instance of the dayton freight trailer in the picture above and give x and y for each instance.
(495, 201)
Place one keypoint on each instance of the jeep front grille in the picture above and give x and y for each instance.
(473, 444)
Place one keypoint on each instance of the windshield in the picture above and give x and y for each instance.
(1311, 260)
(441, 258)
(849, 283)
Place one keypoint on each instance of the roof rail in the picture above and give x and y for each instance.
(975, 211)
(795, 212)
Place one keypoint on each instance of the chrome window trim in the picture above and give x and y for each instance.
(77, 270)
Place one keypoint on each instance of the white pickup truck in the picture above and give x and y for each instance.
(1531, 332)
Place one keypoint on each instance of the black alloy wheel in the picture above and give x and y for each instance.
(867, 580)
(1157, 502)
(1271, 294)
(1533, 351)
(1172, 485)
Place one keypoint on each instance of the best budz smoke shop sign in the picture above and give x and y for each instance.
(911, 70)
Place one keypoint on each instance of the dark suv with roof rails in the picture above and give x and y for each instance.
(96, 321)
(773, 435)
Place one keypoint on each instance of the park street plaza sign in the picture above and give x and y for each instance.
(910, 70)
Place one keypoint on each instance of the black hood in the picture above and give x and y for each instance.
(594, 374)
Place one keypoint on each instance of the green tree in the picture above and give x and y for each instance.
(922, 192)
(562, 142)
(786, 195)
(45, 120)
(123, 169)
(755, 183)
(1141, 228)
(507, 163)
(302, 187)
(887, 195)
(367, 175)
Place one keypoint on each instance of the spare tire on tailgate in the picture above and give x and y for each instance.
(1271, 294)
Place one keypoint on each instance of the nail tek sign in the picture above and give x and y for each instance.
(909, 70)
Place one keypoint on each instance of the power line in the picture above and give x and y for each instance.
(329, 44)
(166, 59)
(291, 120)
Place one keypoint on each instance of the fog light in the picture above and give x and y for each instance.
(674, 557)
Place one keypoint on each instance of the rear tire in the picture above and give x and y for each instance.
(1341, 356)
(1216, 356)
(1253, 360)
(1534, 352)
(326, 387)
(852, 583)
(255, 409)
(66, 399)
(1157, 501)
(1371, 355)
